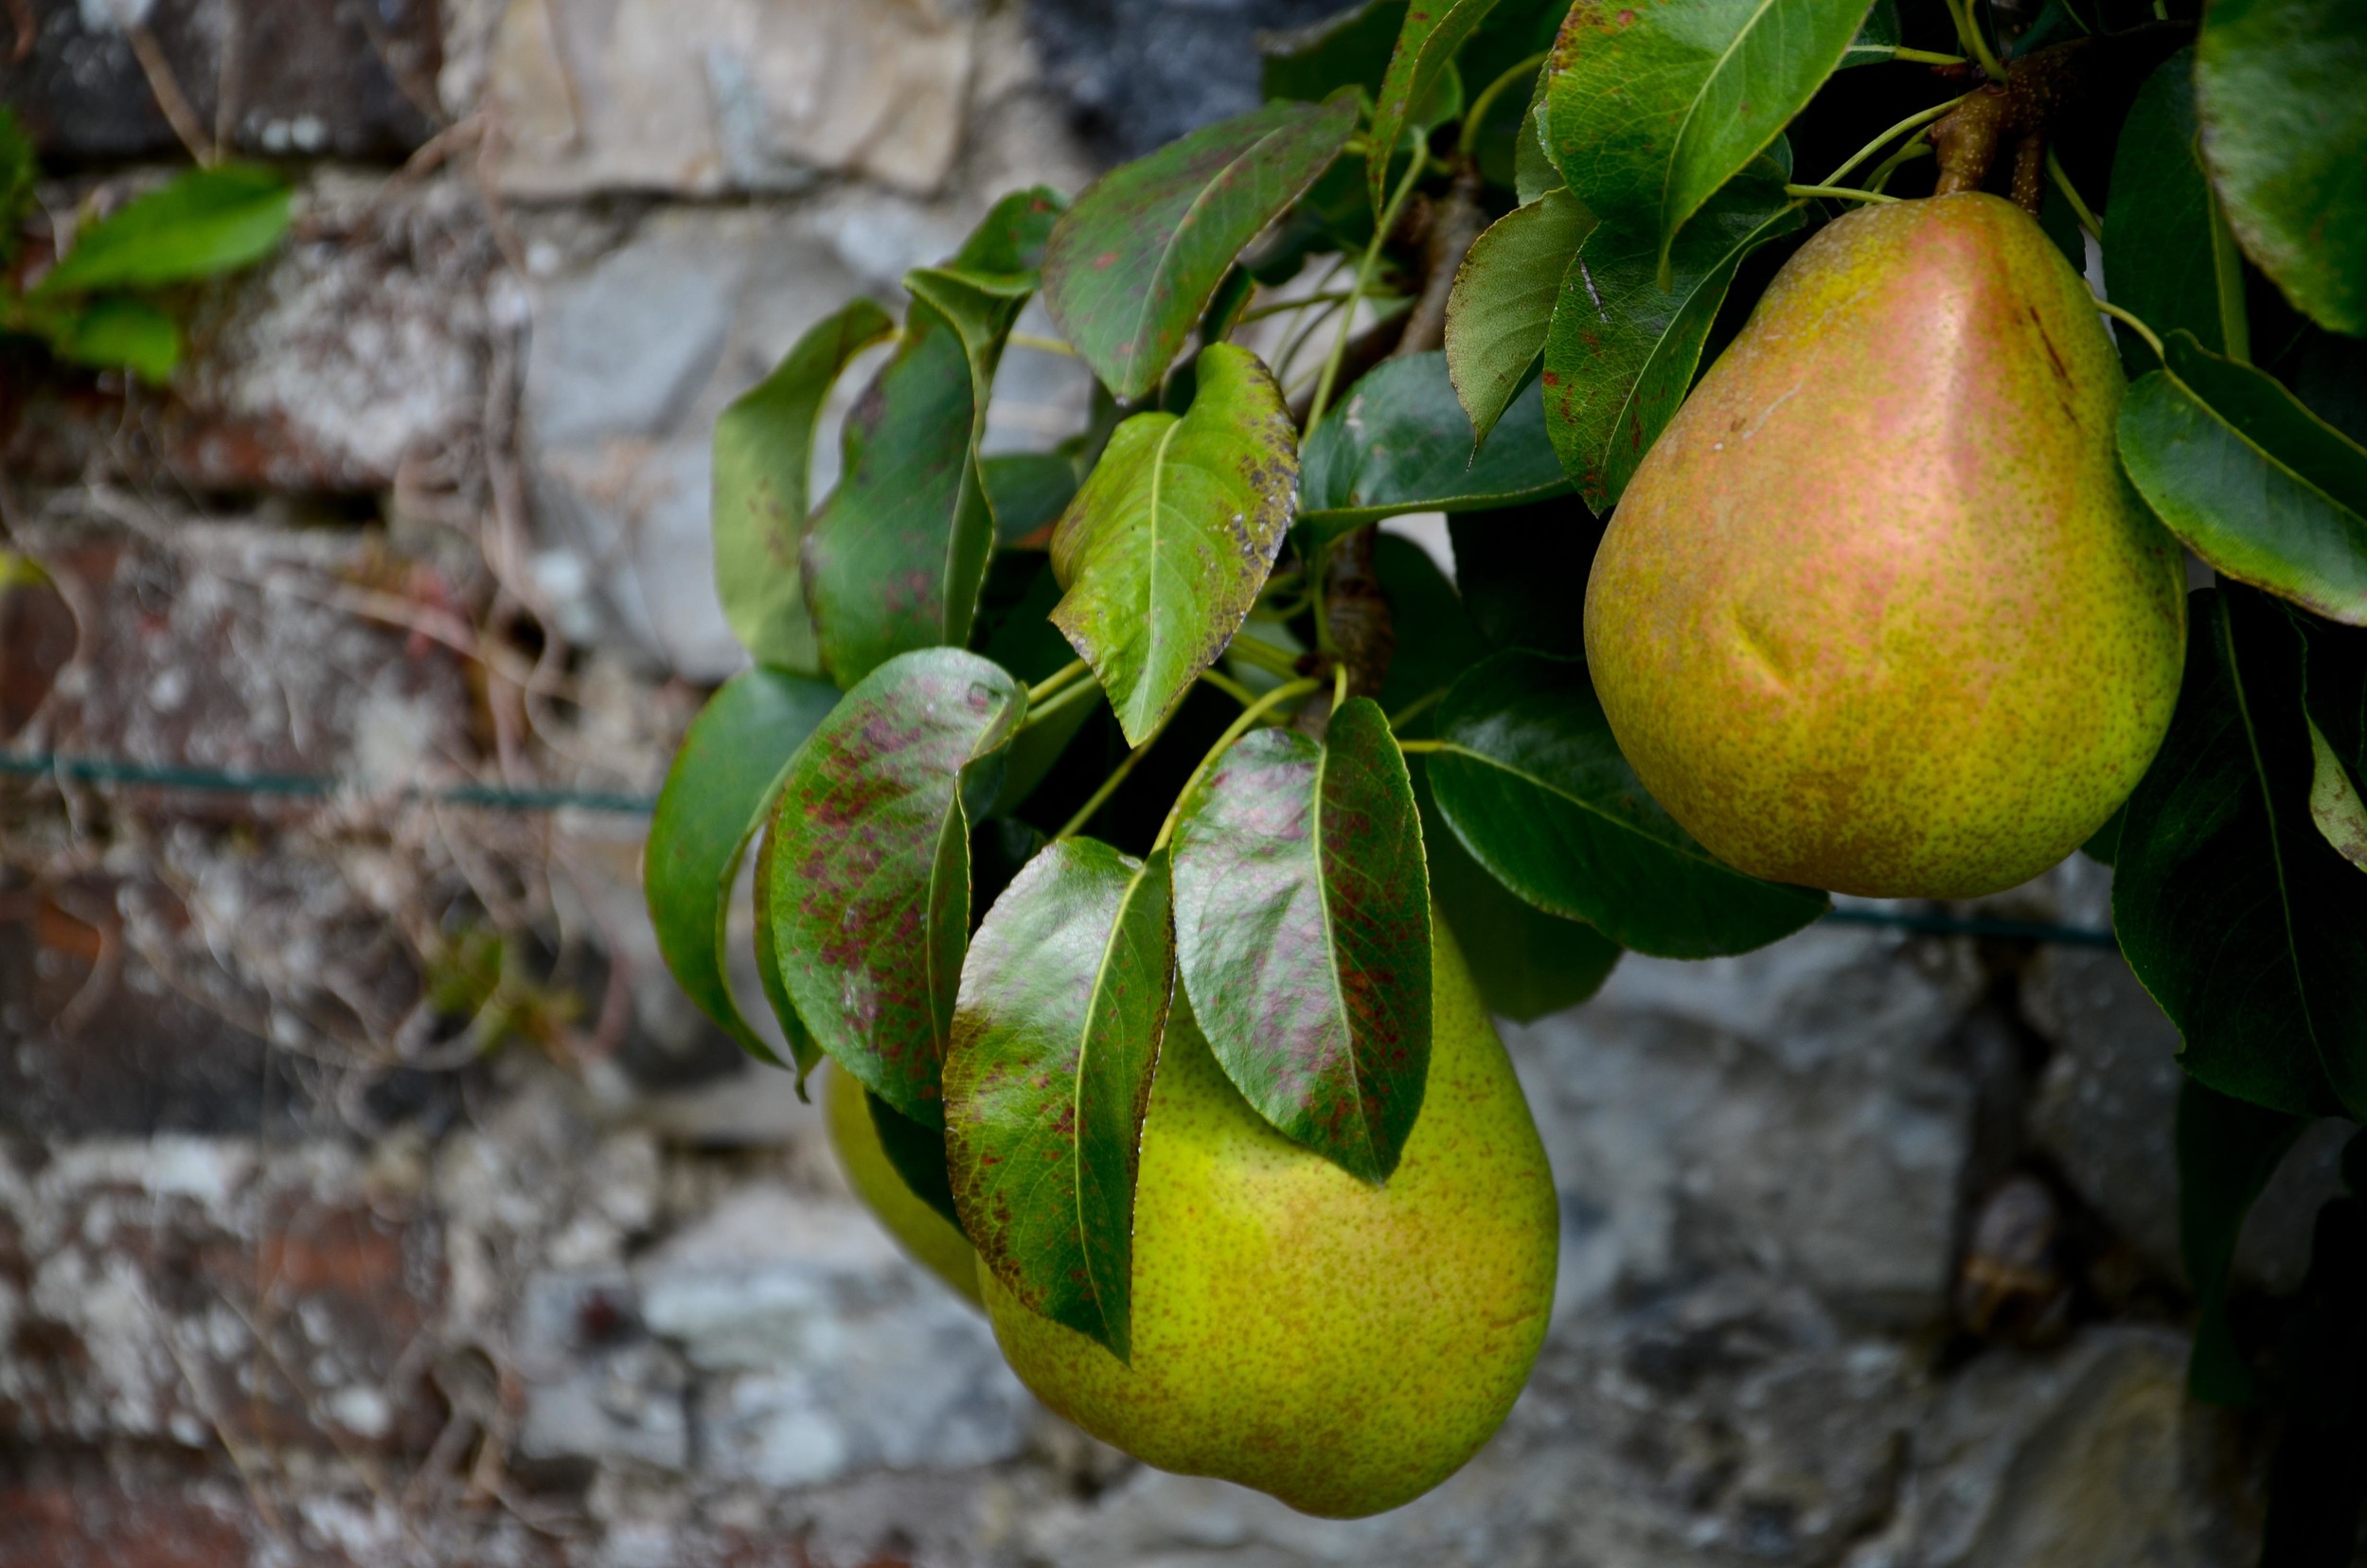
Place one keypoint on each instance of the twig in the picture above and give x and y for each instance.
(169, 98)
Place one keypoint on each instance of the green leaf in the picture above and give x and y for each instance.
(2333, 803)
(2227, 1151)
(2241, 920)
(1527, 963)
(1503, 302)
(895, 558)
(2284, 132)
(2168, 255)
(1064, 1006)
(1433, 31)
(918, 1154)
(1877, 39)
(1302, 934)
(1351, 49)
(718, 793)
(1533, 170)
(117, 334)
(1523, 574)
(206, 221)
(1435, 640)
(1623, 347)
(867, 891)
(1534, 785)
(1026, 492)
(1167, 542)
(1651, 109)
(1031, 647)
(1400, 442)
(2253, 481)
(763, 450)
(1134, 263)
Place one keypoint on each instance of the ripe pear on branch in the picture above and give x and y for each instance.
(1878, 612)
(1343, 1346)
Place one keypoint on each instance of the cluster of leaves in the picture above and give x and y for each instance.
(919, 753)
(103, 303)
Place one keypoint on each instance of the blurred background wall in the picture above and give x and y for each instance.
(369, 1196)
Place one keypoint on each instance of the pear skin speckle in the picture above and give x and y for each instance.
(1878, 612)
(1341, 1346)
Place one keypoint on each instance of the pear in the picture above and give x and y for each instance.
(927, 1237)
(1341, 1346)
(1878, 612)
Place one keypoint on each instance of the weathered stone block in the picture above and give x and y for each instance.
(698, 96)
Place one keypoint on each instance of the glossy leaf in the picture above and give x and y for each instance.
(117, 334)
(1400, 442)
(1302, 934)
(1526, 963)
(867, 892)
(2168, 255)
(718, 793)
(1503, 302)
(198, 224)
(1532, 782)
(1651, 109)
(1349, 50)
(1064, 1006)
(895, 558)
(1622, 350)
(2227, 1151)
(1435, 640)
(1425, 52)
(2252, 480)
(1877, 39)
(1031, 647)
(2284, 132)
(763, 452)
(1133, 264)
(2241, 920)
(1172, 535)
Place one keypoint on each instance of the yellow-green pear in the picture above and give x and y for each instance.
(1878, 612)
(932, 1240)
(1341, 1346)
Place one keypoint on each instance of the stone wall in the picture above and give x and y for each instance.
(371, 1197)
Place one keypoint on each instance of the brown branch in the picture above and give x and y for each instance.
(169, 98)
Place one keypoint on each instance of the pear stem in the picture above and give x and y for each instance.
(2152, 340)
(2088, 220)
(1921, 117)
(1846, 194)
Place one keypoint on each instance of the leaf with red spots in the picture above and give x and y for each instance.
(1651, 109)
(1133, 264)
(1621, 351)
(1064, 1006)
(763, 449)
(717, 794)
(895, 558)
(865, 892)
(1166, 545)
(1302, 934)
(1433, 31)
(1400, 442)
(1532, 782)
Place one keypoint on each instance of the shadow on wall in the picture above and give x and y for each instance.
(1140, 73)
